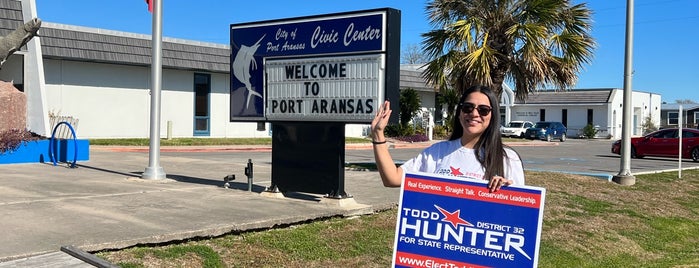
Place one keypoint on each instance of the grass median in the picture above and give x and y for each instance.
(218, 141)
(588, 222)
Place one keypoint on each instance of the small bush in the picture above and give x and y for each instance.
(399, 131)
(440, 132)
(392, 130)
(413, 138)
(589, 131)
(11, 139)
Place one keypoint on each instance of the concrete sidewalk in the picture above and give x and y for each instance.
(103, 204)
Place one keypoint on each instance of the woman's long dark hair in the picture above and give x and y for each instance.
(489, 149)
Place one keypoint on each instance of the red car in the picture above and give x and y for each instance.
(665, 143)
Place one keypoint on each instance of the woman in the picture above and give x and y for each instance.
(474, 150)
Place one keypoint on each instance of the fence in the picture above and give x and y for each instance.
(63, 132)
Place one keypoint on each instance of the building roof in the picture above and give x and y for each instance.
(412, 78)
(10, 16)
(676, 106)
(97, 45)
(568, 96)
(67, 42)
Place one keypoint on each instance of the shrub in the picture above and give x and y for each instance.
(589, 131)
(648, 125)
(400, 131)
(392, 130)
(413, 138)
(440, 132)
(409, 104)
(11, 139)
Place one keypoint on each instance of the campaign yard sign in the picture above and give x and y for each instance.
(446, 222)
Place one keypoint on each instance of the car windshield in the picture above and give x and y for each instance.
(542, 125)
(515, 124)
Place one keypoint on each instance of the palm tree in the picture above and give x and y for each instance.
(531, 43)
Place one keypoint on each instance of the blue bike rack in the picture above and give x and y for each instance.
(52, 150)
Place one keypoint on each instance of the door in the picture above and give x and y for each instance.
(662, 143)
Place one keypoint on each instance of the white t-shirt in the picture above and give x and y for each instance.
(451, 159)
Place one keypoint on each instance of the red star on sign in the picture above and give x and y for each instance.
(453, 217)
(456, 171)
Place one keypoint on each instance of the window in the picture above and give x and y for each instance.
(696, 119)
(589, 116)
(202, 90)
(564, 116)
(666, 134)
(672, 118)
(542, 125)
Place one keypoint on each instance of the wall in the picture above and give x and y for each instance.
(113, 101)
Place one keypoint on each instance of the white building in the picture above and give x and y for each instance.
(580, 107)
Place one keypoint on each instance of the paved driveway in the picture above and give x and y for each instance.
(589, 157)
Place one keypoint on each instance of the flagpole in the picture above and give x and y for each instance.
(154, 170)
(625, 177)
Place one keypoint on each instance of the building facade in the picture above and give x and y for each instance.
(602, 108)
(670, 115)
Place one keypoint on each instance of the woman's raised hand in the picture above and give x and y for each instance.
(381, 120)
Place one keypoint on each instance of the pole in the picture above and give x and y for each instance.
(624, 177)
(679, 135)
(154, 170)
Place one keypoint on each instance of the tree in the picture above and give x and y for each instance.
(450, 98)
(649, 124)
(409, 105)
(533, 44)
(412, 54)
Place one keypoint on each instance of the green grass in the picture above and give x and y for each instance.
(207, 256)
(219, 141)
(358, 242)
(588, 222)
(199, 141)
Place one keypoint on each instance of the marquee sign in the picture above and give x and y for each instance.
(324, 89)
(445, 222)
(319, 68)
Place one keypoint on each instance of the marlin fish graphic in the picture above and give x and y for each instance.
(241, 67)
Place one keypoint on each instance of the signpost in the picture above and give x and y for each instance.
(310, 76)
(447, 222)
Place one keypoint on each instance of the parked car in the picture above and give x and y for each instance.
(664, 143)
(515, 129)
(547, 131)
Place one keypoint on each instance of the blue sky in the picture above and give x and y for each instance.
(666, 40)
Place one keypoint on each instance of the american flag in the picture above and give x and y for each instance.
(150, 5)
